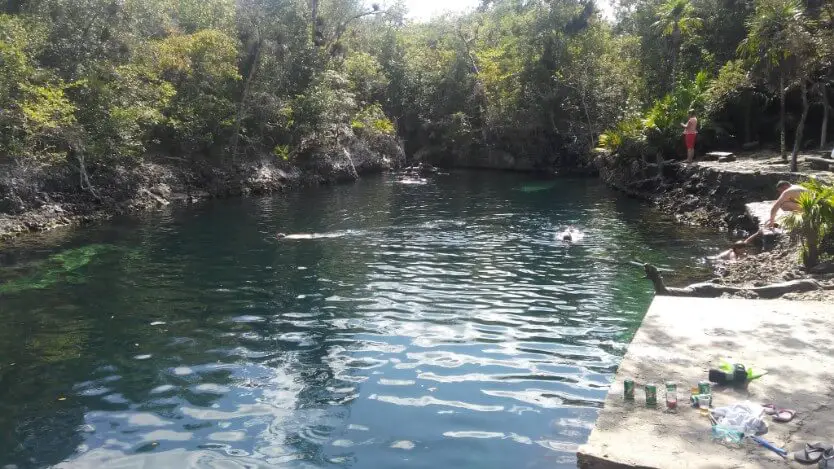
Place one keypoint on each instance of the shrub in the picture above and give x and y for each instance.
(658, 129)
(372, 120)
(815, 222)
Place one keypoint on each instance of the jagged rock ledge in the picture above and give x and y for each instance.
(706, 193)
(163, 180)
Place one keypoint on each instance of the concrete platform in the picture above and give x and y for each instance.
(679, 340)
(759, 212)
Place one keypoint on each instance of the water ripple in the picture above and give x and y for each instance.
(439, 325)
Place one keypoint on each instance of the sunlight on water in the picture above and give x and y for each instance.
(437, 325)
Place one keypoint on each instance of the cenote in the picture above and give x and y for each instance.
(435, 325)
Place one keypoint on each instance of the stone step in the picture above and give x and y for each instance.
(823, 153)
(759, 212)
(819, 163)
(719, 156)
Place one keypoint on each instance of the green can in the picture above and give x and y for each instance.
(704, 387)
(628, 390)
(651, 395)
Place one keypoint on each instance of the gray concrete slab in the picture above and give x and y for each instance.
(679, 340)
(759, 212)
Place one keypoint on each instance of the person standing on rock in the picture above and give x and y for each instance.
(690, 132)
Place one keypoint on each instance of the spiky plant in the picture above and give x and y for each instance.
(815, 221)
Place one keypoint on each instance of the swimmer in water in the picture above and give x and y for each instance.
(570, 234)
(303, 236)
(335, 234)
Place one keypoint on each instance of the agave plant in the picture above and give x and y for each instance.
(815, 222)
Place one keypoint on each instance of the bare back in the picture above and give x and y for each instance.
(792, 193)
(691, 126)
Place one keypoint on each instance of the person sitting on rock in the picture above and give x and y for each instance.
(787, 201)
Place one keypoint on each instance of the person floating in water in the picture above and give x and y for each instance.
(335, 234)
(302, 236)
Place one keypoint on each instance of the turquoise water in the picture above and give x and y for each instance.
(423, 325)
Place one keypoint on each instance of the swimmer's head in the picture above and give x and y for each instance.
(281, 235)
(567, 237)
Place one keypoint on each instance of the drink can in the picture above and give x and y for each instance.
(651, 395)
(628, 390)
(671, 395)
(704, 387)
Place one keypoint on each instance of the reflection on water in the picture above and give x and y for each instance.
(444, 326)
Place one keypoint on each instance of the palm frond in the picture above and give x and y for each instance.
(815, 220)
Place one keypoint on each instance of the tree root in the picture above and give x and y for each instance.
(712, 290)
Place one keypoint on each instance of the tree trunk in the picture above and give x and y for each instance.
(247, 86)
(588, 116)
(797, 144)
(314, 8)
(811, 254)
(674, 64)
(676, 48)
(747, 111)
(826, 109)
(782, 143)
(715, 290)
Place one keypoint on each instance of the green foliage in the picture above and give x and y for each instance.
(773, 30)
(282, 152)
(209, 56)
(115, 82)
(327, 104)
(373, 121)
(366, 77)
(815, 222)
(627, 138)
(203, 67)
(677, 18)
(663, 120)
(659, 128)
(732, 81)
(46, 108)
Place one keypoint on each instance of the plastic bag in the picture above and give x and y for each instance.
(745, 417)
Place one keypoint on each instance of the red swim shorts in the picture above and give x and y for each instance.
(690, 140)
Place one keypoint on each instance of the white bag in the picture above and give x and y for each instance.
(745, 417)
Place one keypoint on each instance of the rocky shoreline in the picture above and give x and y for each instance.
(164, 180)
(709, 194)
(714, 194)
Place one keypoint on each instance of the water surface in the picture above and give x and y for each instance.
(427, 325)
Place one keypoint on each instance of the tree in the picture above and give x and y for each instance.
(676, 20)
(732, 88)
(775, 30)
